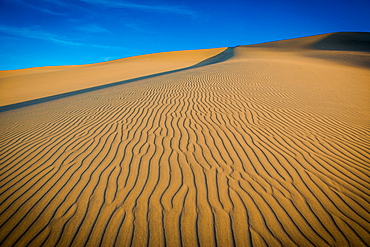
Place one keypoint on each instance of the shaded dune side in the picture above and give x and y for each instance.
(347, 48)
(345, 41)
(247, 152)
(350, 48)
(222, 56)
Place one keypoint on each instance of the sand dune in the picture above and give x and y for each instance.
(29, 84)
(261, 146)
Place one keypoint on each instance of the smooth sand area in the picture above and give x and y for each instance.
(269, 147)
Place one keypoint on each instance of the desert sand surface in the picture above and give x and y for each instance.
(29, 84)
(261, 145)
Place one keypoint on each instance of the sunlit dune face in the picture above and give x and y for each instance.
(29, 84)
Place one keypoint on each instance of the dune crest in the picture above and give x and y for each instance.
(252, 147)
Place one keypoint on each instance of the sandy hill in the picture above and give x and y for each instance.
(28, 84)
(263, 145)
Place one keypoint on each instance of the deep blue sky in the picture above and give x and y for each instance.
(59, 32)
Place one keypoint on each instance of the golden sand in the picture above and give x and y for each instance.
(269, 147)
(29, 84)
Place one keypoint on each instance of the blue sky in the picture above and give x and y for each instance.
(37, 33)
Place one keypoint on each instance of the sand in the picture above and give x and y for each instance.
(264, 145)
(29, 84)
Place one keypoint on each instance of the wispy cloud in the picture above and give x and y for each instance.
(91, 28)
(138, 27)
(47, 11)
(51, 7)
(36, 33)
(60, 7)
(172, 9)
(111, 58)
(54, 2)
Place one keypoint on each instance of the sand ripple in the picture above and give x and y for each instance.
(256, 150)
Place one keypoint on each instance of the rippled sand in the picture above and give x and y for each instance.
(264, 145)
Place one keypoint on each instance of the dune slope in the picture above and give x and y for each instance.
(266, 148)
(29, 84)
